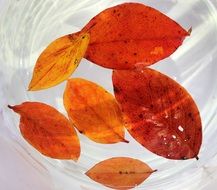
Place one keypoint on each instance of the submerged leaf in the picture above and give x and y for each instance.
(130, 35)
(59, 60)
(120, 172)
(160, 114)
(47, 130)
(94, 111)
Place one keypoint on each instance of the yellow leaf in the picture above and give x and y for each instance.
(59, 60)
(120, 172)
(94, 111)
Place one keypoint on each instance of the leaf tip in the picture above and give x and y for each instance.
(125, 141)
(87, 173)
(10, 107)
(30, 87)
(14, 108)
(189, 31)
(153, 171)
(35, 88)
(75, 159)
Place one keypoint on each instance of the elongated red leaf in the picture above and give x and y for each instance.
(160, 114)
(120, 172)
(132, 34)
(47, 130)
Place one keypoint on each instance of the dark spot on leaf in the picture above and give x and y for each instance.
(76, 62)
(189, 114)
(116, 90)
(141, 116)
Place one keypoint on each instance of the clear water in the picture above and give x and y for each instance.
(27, 27)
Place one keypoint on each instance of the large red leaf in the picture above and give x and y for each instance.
(132, 34)
(160, 114)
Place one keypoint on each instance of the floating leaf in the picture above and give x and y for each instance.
(132, 34)
(120, 172)
(59, 60)
(160, 114)
(94, 111)
(47, 130)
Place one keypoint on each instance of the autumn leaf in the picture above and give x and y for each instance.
(131, 35)
(160, 114)
(47, 130)
(58, 61)
(120, 172)
(94, 111)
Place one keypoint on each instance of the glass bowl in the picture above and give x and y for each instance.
(27, 27)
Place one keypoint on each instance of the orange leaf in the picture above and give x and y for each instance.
(47, 130)
(132, 34)
(94, 111)
(160, 114)
(59, 60)
(120, 172)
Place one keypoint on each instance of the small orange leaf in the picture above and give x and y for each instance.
(59, 60)
(48, 130)
(120, 172)
(159, 113)
(94, 111)
(130, 35)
